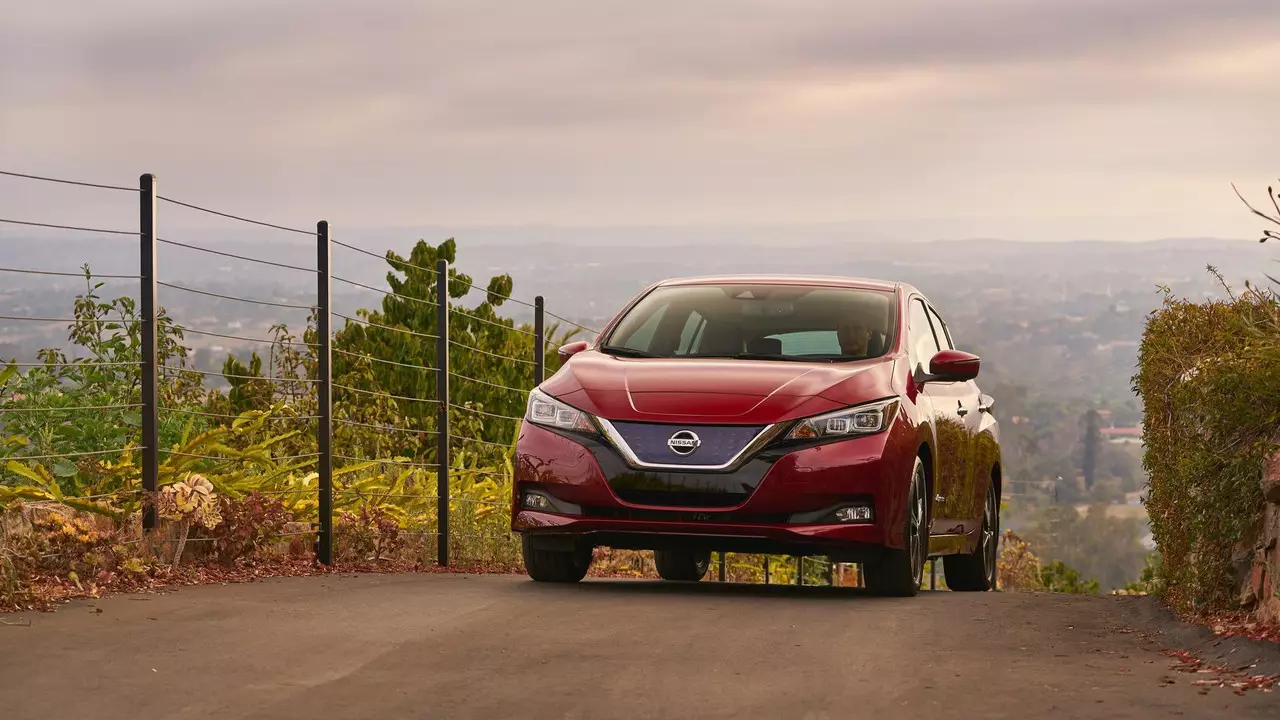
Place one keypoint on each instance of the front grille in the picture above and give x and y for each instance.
(718, 444)
(677, 498)
(684, 515)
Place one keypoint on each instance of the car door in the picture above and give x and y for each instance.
(965, 503)
(937, 402)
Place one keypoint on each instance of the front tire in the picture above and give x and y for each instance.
(557, 566)
(977, 572)
(899, 572)
(682, 565)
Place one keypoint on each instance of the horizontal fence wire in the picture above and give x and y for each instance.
(493, 322)
(267, 341)
(77, 407)
(474, 411)
(99, 496)
(76, 228)
(80, 275)
(478, 441)
(471, 501)
(466, 536)
(72, 454)
(292, 491)
(491, 354)
(379, 393)
(189, 206)
(567, 320)
(489, 473)
(370, 253)
(388, 293)
(71, 320)
(375, 493)
(235, 256)
(267, 378)
(386, 428)
(273, 458)
(73, 363)
(169, 541)
(251, 301)
(392, 328)
(371, 358)
(481, 536)
(486, 382)
(225, 416)
(473, 286)
(60, 181)
(388, 462)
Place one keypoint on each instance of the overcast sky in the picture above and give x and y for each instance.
(1026, 119)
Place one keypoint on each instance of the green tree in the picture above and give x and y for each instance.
(388, 355)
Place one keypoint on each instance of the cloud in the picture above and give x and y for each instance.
(613, 112)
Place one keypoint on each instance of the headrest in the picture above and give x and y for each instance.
(765, 346)
(720, 339)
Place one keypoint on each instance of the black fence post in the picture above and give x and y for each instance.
(721, 567)
(933, 574)
(324, 392)
(766, 569)
(800, 570)
(442, 413)
(539, 342)
(149, 369)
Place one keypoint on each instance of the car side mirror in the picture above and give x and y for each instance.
(951, 366)
(573, 348)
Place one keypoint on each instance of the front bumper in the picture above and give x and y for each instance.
(780, 501)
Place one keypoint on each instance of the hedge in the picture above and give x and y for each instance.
(1209, 378)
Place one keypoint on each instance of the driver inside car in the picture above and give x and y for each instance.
(854, 336)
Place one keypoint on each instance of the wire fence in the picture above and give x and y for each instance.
(406, 411)
(409, 408)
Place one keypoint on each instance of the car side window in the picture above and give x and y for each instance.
(943, 332)
(921, 344)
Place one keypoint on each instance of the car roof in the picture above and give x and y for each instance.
(801, 280)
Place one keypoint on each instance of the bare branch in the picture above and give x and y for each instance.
(1268, 234)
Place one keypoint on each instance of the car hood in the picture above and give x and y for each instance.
(707, 390)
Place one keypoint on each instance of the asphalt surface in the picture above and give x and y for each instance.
(456, 646)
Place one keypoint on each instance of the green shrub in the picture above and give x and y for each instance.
(1209, 378)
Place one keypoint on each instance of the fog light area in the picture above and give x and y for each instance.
(535, 501)
(854, 513)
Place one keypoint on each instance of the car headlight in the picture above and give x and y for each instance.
(546, 410)
(861, 420)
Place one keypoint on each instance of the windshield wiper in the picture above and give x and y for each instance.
(757, 356)
(625, 352)
(770, 356)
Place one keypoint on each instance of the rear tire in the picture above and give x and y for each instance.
(557, 566)
(682, 565)
(899, 572)
(977, 572)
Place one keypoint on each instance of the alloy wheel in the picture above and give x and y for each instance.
(989, 537)
(918, 530)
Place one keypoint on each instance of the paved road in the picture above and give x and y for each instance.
(456, 646)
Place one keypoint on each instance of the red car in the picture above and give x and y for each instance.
(787, 416)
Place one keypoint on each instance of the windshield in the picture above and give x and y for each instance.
(771, 322)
